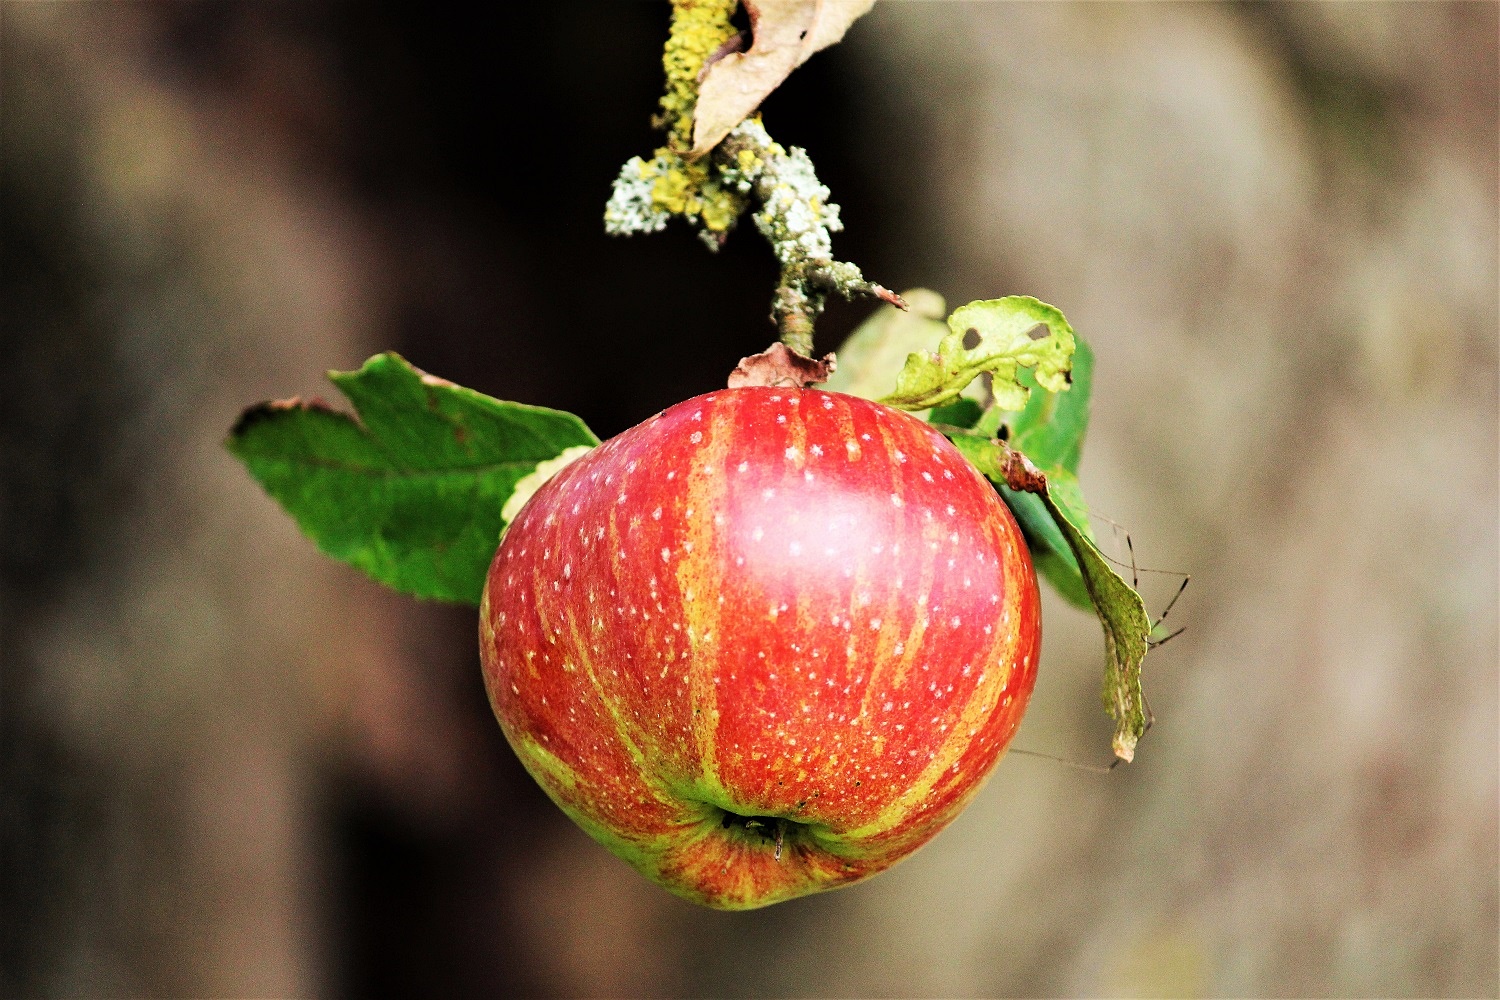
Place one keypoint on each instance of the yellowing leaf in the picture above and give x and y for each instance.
(787, 33)
(999, 336)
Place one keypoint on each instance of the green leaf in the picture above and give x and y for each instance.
(1051, 429)
(999, 336)
(961, 412)
(412, 492)
(1122, 613)
(1050, 550)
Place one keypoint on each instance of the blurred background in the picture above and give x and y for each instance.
(232, 767)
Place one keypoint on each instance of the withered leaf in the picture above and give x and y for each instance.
(778, 365)
(786, 33)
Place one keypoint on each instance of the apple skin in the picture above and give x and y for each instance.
(762, 615)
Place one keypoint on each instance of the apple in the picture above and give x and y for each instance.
(768, 642)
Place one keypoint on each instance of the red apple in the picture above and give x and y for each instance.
(768, 642)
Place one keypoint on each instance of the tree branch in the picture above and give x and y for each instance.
(795, 214)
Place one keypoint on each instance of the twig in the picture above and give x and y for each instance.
(795, 214)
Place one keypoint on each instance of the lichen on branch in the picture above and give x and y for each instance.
(648, 193)
(794, 213)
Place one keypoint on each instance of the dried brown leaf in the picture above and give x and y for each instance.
(787, 33)
(1020, 474)
(780, 366)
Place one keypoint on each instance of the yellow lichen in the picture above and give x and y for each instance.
(676, 187)
(691, 190)
(699, 27)
(721, 207)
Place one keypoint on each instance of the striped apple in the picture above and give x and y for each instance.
(768, 642)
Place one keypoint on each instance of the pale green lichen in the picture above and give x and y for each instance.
(797, 218)
(632, 208)
(648, 193)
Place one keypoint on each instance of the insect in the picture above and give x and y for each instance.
(1154, 640)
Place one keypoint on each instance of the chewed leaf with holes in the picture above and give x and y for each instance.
(1051, 429)
(1122, 613)
(411, 492)
(999, 336)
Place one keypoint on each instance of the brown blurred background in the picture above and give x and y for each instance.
(232, 767)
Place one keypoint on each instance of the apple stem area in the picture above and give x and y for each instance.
(771, 829)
